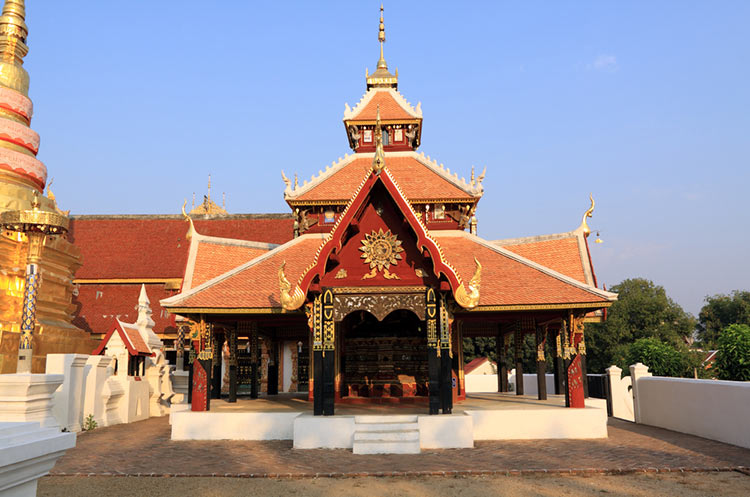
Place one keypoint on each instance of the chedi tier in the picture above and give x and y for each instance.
(28, 217)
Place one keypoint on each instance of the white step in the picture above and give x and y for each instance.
(380, 447)
(398, 418)
(362, 427)
(387, 436)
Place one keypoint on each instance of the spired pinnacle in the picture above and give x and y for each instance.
(13, 33)
(381, 78)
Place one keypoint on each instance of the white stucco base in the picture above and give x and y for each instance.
(28, 452)
(189, 425)
(323, 432)
(455, 431)
(28, 397)
(541, 422)
(459, 430)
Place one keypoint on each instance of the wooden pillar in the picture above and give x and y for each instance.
(329, 354)
(541, 364)
(518, 356)
(218, 341)
(272, 379)
(232, 363)
(564, 337)
(446, 378)
(180, 348)
(558, 361)
(581, 347)
(200, 399)
(317, 379)
(433, 361)
(502, 366)
(191, 359)
(254, 359)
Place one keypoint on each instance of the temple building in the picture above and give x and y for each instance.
(381, 279)
(32, 225)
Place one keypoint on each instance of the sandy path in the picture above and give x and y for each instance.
(728, 484)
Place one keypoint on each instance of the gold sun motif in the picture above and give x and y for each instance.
(381, 250)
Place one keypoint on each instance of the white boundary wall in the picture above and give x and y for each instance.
(484, 383)
(718, 410)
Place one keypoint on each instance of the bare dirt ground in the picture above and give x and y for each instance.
(725, 483)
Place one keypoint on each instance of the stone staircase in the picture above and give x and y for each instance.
(386, 435)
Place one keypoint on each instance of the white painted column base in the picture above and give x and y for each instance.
(28, 452)
(28, 397)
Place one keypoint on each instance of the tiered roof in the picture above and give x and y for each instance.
(421, 178)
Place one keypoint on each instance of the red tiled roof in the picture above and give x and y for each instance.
(257, 284)
(129, 335)
(417, 181)
(155, 246)
(213, 259)
(98, 304)
(561, 255)
(390, 108)
(506, 281)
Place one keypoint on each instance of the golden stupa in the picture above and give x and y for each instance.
(22, 181)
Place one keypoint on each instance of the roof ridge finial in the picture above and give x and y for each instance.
(209, 187)
(584, 225)
(381, 39)
(378, 162)
(13, 33)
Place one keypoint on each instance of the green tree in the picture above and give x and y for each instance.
(642, 310)
(733, 357)
(719, 312)
(662, 359)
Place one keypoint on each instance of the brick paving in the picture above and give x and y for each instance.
(144, 448)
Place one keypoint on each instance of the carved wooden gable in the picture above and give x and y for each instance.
(379, 248)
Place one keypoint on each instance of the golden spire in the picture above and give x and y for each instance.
(13, 33)
(378, 162)
(584, 225)
(381, 77)
(381, 39)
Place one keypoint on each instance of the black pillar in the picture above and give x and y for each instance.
(317, 357)
(254, 359)
(446, 361)
(433, 361)
(541, 365)
(191, 358)
(218, 340)
(502, 368)
(272, 385)
(558, 362)
(517, 353)
(565, 344)
(329, 354)
(232, 363)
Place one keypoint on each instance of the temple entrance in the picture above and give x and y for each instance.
(384, 360)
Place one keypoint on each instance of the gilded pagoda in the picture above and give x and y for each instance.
(384, 276)
(22, 182)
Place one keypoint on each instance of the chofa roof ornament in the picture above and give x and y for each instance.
(289, 301)
(469, 299)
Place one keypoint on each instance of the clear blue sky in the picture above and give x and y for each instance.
(645, 104)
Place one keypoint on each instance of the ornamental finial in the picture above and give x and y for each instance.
(378, 162)
(13, 33)
(584, 225)
(381, 39)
